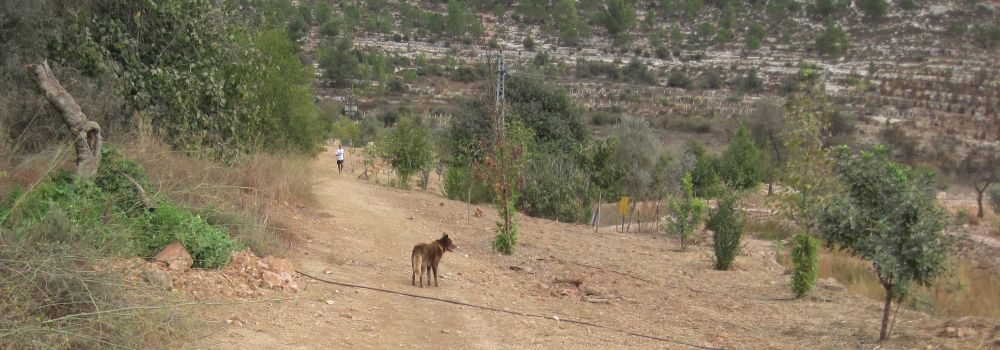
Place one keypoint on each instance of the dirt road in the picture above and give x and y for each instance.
(361, 233)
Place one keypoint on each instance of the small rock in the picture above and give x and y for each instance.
(272, 279)
(597, 300)
(329, 302)
(278, 265)
(832, 284)
(158, 278)
(950, 332)
(445, 331)
(328, 271)
(175, 256)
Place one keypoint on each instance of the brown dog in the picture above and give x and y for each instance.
(426, 256)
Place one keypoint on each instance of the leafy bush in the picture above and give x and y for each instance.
(554, 187)
(209, 246)
(686, 214)
(407, 148)
(505, 243)
(678, 79)
(111, 219)
(874, 9)
(827, 8)
(755, 34)
(726, 223)
(460, 184)
(603, 118)
(805, 257)
(740, 164)
(987, 37)
(832, 41)
(705, 176)
(699, 126)
(339, 63)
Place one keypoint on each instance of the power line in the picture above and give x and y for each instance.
(517, 313)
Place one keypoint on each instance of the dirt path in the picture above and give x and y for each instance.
(362, 233)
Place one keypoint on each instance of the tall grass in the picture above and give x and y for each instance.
(243, 198)
(58, 293)
(969, 290)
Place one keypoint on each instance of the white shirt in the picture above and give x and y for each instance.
(340, 154)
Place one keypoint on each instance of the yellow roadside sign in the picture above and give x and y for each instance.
(623, 205)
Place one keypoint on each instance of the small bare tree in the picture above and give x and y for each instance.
(86, 133)
(981, 169)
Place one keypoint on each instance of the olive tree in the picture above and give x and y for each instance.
(886, 213)
(686, 213)
(407, 148)
(981, 169)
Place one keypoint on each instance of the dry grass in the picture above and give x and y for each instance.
(241, 198)
(969, 290)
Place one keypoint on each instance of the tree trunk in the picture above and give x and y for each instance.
(884, 334)
(770, 188)
(86, 133)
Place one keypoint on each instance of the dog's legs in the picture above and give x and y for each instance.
(435, 275)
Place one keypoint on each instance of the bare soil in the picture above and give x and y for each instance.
(362, 233)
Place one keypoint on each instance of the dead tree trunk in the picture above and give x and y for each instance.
(86, 133)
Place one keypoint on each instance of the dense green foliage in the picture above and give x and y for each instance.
(106, 213)
(805, 260)
(874, 9)
(686, 214)
(832, 41)
(555, 187)
(705, 176)
(740, 164)
(407, 148)
(887, 214)
(209, 80)
(618, 18)
(726, 222)
(506, 239)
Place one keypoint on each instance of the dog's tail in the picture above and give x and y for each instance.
(418, 261)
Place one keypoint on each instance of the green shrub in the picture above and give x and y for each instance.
(726, 223)
(110, 218)
(407, 148)
(678, 79)
(740, 164)
(686, 213)
(505, 243)
(832, 41)
(554, 187)
(805, 257)
(987, 37)
(603, 118)
(112, 178)
(209, 246)
(460, 184)
(874, 9)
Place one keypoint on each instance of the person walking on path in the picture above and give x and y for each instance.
(340, 159)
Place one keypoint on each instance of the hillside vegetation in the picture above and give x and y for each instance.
(849, 123)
